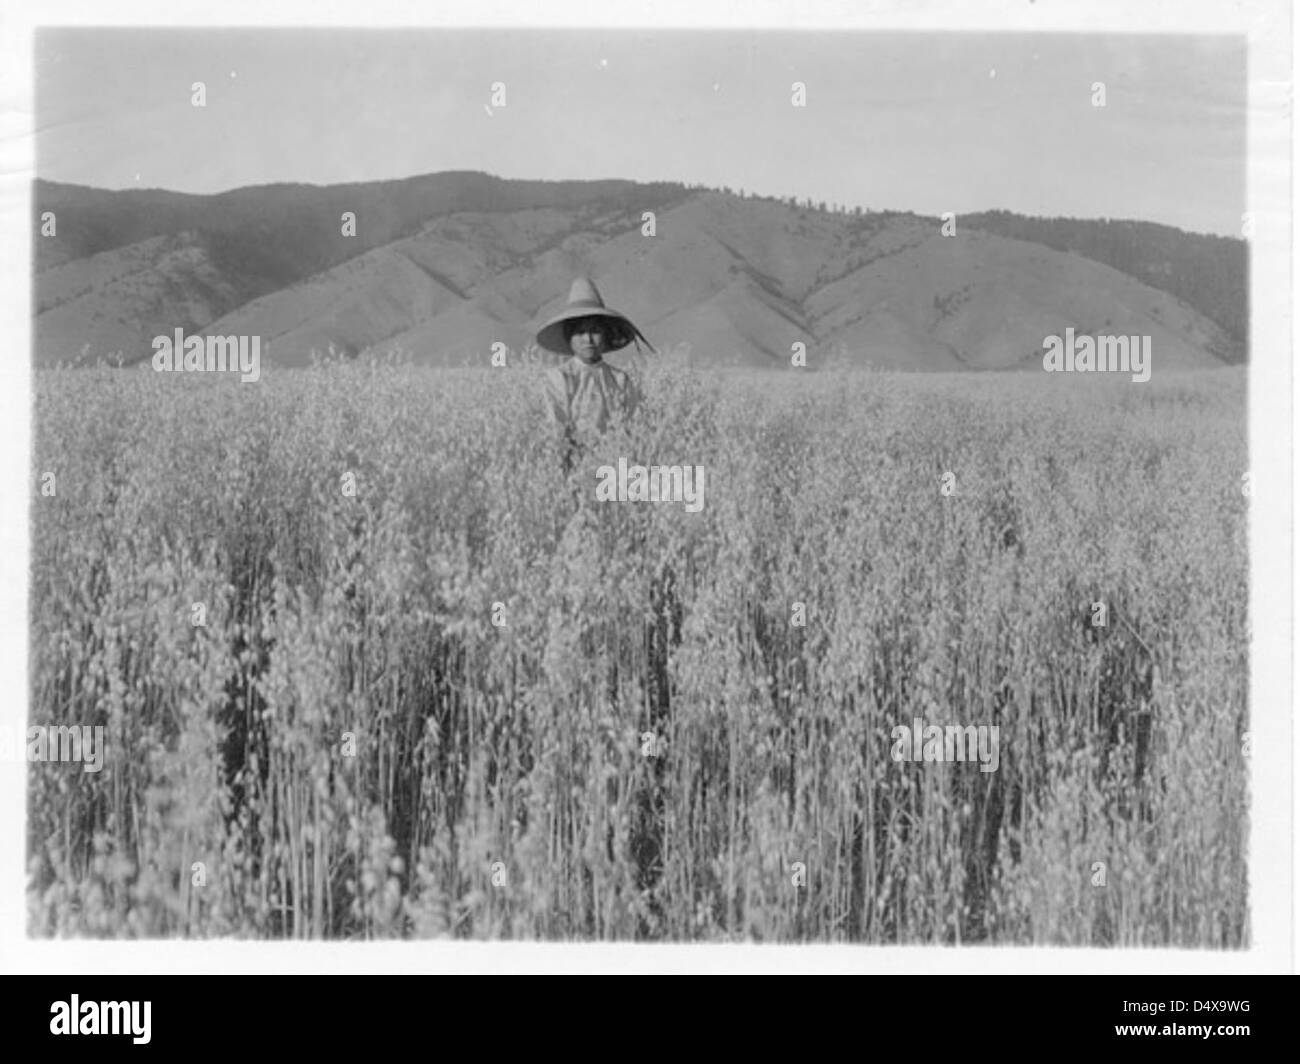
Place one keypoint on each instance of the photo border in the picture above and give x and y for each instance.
(1269, 29)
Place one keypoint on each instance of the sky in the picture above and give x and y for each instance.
(928, 122)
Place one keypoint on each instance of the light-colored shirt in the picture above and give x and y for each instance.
(588, 397)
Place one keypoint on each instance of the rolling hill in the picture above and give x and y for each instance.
(445, 265)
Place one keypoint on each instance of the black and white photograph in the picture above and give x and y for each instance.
(800, 484)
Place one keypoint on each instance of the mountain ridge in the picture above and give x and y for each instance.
(447, 264)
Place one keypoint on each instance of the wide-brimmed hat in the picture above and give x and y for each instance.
(585, 302)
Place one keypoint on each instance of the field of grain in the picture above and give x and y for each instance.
(371, 664)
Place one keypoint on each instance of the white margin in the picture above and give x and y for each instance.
(1269, 25)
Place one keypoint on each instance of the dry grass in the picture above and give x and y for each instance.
(498, 786)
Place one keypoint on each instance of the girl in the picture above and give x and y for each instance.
(583, 397)
(586, 393)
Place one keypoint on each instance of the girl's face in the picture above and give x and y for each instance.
(589, 339)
